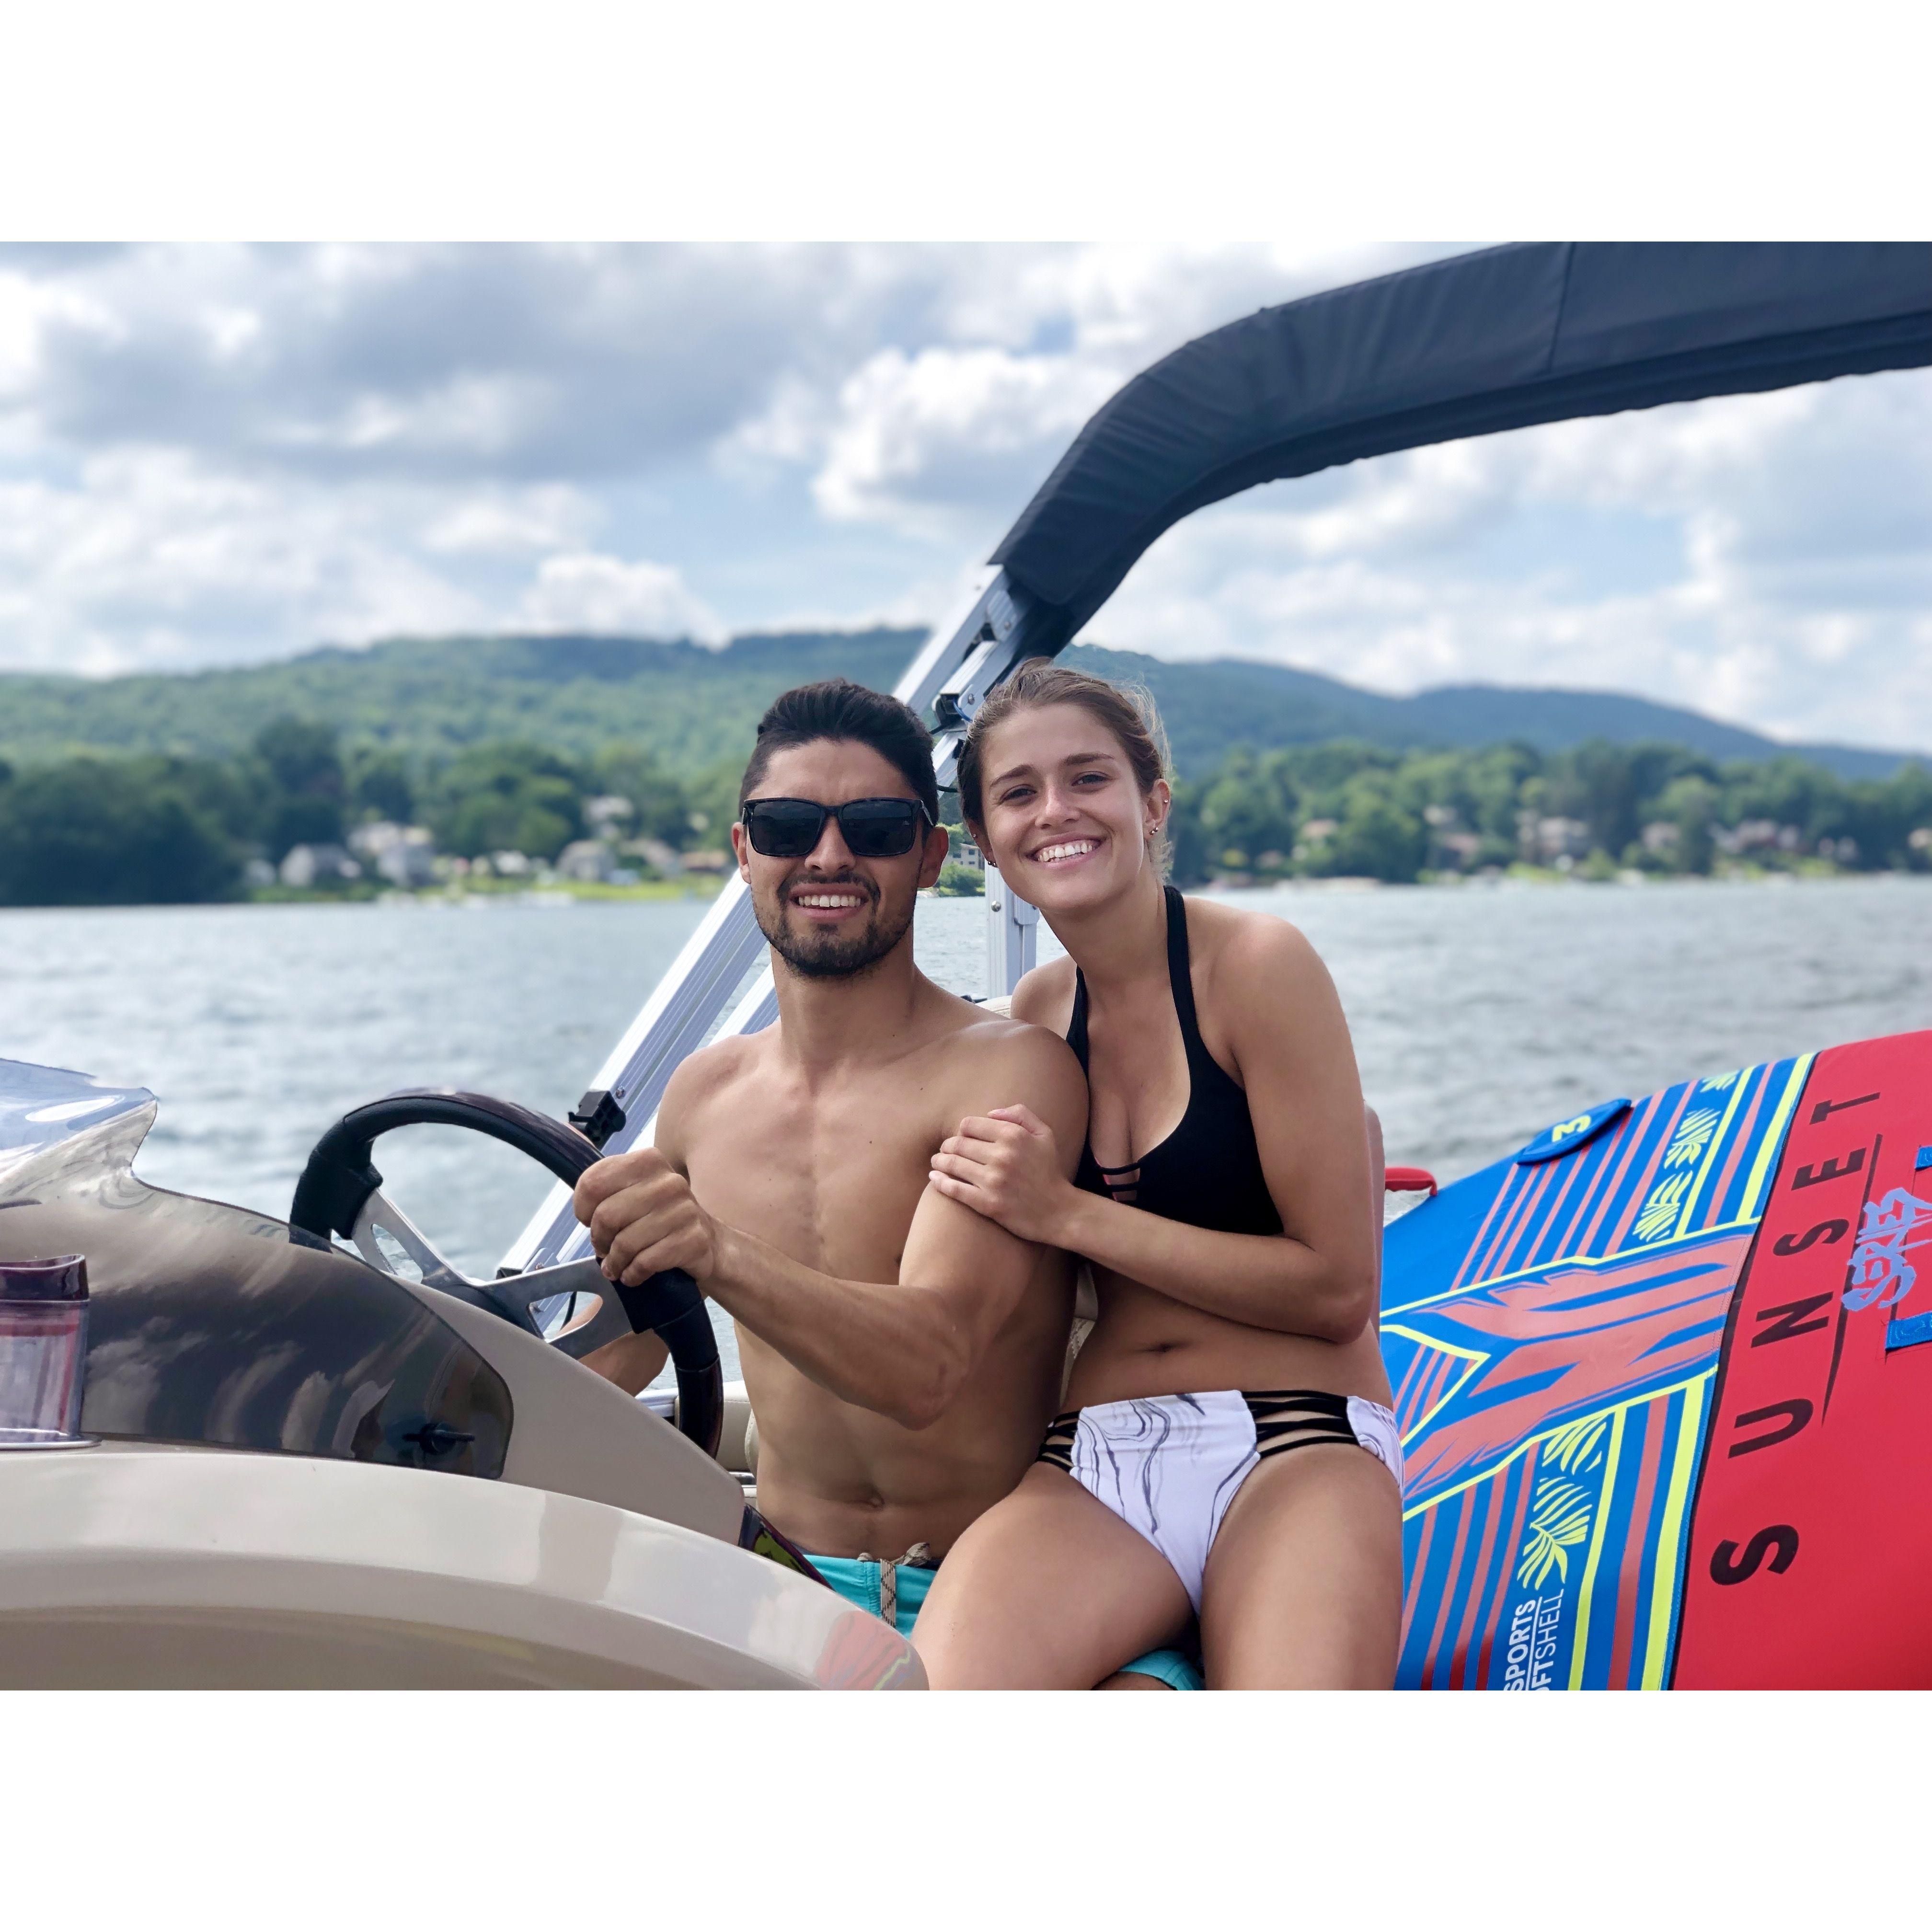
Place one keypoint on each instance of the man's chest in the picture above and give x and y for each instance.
(831, 1180)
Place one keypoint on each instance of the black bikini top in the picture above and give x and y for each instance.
(1207, 1172)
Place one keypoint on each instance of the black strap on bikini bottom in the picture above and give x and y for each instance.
(1284, 1419)
(1288, 1419)
(1058, 1449)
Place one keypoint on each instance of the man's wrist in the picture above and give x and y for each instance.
(731, 1258)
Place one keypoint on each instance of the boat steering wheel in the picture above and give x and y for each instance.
(340, 1192)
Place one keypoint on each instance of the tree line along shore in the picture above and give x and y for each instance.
(300, 814)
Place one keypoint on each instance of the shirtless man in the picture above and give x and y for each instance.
(903, 1354)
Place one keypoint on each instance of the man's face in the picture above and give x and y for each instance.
(829, 915)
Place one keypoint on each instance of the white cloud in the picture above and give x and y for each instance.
(933, 440)
(1789, 587)
(918, 440)
(585, 592)
(512, 522)
(148, 560)
(211, 454)
(28, 309)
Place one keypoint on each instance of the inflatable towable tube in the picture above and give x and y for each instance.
(1665, 1385)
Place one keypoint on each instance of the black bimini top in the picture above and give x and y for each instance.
(1494, 340)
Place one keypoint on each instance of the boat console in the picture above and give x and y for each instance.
(284, 1431)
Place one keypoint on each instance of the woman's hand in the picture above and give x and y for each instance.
(1005, 1165)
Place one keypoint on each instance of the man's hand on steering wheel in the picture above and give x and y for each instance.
(643, 1218)
(657, 1308)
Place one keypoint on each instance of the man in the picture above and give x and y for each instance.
(903, 1354)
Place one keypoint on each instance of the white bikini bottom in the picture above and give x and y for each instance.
(1169, 1466)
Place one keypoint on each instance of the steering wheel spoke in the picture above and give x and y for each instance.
(388, 1239)
(572, 1306)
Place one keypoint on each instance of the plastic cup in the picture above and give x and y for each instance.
(43, 1350)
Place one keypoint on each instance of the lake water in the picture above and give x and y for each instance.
(1481, 1014)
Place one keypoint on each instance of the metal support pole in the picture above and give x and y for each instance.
(1012, 933)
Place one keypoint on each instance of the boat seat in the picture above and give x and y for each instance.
(738, 1440)
(738, 1447)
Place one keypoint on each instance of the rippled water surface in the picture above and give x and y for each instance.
(1480, 1015)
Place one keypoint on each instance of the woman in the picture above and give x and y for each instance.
(1228, 1450)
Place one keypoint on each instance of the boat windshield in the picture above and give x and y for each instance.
(210, 1325)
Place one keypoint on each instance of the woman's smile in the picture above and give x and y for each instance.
(1066, 851)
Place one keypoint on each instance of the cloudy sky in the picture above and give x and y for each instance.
(212, 455)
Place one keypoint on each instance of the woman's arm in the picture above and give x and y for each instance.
(902, 1348)
(1317, 1277)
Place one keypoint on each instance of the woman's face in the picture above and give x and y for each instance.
(1065, 822)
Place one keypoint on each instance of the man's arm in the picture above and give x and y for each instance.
(901, 1348)
(631, 1361)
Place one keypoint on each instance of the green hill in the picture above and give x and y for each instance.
(1208, 707)
(692, 707)
(435, 696)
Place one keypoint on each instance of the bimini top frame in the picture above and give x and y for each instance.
(1498, 340)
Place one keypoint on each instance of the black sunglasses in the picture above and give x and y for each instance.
(872, 828)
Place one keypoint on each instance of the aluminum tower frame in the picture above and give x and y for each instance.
(997, 626)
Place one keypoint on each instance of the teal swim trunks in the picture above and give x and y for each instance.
(867, 1585)
(861, 1582)
(1173, 1668)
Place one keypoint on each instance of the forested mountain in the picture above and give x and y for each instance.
(1210, 707)
(692, 707)
(509, 752)
(433, 696)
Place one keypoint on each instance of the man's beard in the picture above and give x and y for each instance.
(813, 953)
